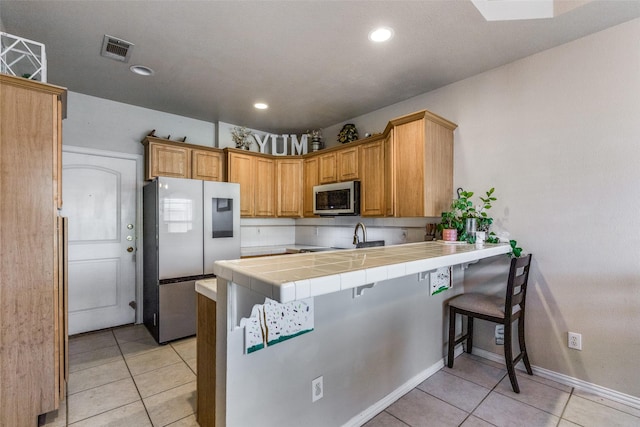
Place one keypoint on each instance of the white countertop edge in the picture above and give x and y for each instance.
(300, 289)
(208, 288)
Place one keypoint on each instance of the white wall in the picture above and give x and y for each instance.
(557, 135)
(108, 125)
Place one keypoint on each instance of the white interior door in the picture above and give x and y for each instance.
(99, 198)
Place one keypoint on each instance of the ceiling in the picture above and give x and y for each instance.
(311, 61)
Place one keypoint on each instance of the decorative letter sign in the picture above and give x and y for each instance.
(274, 145)
(261, 144)
(297, 148)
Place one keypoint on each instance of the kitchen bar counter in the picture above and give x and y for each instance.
(298, 276)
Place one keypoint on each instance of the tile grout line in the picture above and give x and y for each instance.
(532, 406)
(100, 413)
(390, 414)
(483, 399)
(565, 408)
(609, 407)
(134, 382)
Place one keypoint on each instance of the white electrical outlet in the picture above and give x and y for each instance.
(575, 341)
(499, 334)
(317, 389)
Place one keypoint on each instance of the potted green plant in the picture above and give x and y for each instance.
(466, 219)
(453, 221)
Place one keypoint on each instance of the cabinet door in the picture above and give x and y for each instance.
(206, 165)
(164, 160)
(389, 171)
(348, 164)
(409, 165)
(310, 179)
(241, 170)
(290, 183)
(372, 188)
(327, 168)
(264, 187)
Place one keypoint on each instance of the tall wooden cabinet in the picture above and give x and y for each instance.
(33, 292)
(421, 165)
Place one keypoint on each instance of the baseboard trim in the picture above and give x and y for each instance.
(405, 388)
(607, 393)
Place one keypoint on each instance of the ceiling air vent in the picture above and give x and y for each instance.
(115, 48)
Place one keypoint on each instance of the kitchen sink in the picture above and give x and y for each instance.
(370, 244)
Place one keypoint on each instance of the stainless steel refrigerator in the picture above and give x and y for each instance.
(188, 225)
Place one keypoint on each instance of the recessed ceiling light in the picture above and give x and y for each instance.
(261, 105)
(381, 34)
(142, 70)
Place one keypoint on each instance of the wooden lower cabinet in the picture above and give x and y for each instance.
(32, 266)
(206, 361)
(289, 176)
(372, 179)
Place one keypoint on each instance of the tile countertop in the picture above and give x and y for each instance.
(298, 276)
(250, 251)
(208, 288)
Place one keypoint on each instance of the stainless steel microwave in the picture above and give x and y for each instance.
(341, 198)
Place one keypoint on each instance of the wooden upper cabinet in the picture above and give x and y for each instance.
(256, 175)
(372, 178)
(310, 180)
(347, 164)
(167, 160)
(180, 160)
(32, 294)
(264, 187)
(422, 164)
(389, 174)
(327, 168)
(240, 169)
(339, 165)
(207, 165)
(289, 176)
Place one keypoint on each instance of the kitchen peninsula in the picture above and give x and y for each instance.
(370, 344)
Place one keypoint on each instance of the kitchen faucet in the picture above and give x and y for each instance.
(356, 240)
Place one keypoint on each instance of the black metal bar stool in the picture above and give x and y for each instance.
(498, 310)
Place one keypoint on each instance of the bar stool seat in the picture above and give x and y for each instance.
(503, 310)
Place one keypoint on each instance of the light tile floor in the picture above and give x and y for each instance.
(121, 377)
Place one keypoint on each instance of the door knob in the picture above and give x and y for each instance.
(129, 249)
